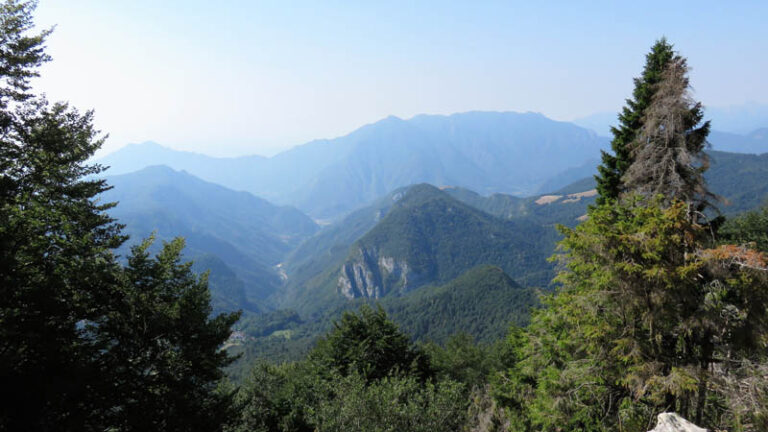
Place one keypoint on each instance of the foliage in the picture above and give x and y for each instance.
(164, 361)
(482, 302)
(86, 344)
(644, 314)
(363, 375)
(370, 345)
(614, 166)
(55, 265)
(391, 404)
(267, 323)
(668, 151)
(277, 398)
(57, 271)
(22, 54)
(461, 359)
(747, 228)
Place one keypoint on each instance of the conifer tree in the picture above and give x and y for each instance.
(668, 151)
(370, 344)
(56, 269)
(651, 315)
(614, 166)
(163, 362)
(86, 344)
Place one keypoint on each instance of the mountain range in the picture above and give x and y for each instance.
(424, 237)
(484, 151)
(423, 250)
(488, 152)
(280, 258)
(238, 235)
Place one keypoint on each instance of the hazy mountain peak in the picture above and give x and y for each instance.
(156, 175)
(145, 148)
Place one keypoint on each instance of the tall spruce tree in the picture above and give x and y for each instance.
(668, 151)
(614, 166)
(651, 314)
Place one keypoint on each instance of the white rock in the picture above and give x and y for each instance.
(671, 422)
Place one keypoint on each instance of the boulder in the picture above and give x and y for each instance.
(671, 422)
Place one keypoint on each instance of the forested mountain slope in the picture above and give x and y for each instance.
(740, 178)
(481, 302)
(246, 234)
(425, 238)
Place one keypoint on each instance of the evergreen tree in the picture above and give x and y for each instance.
(86, 344)
(614, 166)
(163, 363)
(650, 315)
(56, 268)
(370, 345)
(668, 152)
(364, 375)
(391, 404)
(58, 274)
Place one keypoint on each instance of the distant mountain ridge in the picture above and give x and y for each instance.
(484, 151)
(236, 232)
(277, 253)
(755, 142)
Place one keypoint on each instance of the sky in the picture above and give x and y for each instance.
(238, 77)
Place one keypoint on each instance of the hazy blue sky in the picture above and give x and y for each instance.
(237, 77)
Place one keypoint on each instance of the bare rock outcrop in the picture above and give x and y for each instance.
(369, 275)
(671, 422)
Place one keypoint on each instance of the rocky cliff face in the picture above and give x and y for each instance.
(367, 274)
